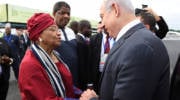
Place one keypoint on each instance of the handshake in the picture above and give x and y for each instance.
(5, 60)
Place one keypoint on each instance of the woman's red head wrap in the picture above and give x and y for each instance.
(37, 23)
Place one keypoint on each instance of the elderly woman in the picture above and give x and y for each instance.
(43, 75)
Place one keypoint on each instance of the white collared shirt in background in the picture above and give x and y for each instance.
(69, 32)
(103, 55)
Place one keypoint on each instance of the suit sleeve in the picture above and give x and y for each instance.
(163, 28)
(135, 79)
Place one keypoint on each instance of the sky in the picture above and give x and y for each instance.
(89, 9)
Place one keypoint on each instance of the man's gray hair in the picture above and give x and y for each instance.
(126, 4)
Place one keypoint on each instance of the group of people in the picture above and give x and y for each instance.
(12, 49)
(124, 60)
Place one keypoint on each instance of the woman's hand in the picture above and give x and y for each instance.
(88, 94)
(6, 60)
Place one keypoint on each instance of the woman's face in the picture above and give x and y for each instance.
(51, 37)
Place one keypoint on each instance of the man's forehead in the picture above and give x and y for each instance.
(64, 9)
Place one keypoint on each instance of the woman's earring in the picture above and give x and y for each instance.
(40, 40)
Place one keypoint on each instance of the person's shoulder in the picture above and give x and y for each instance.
(71, 34)
(2, 40)
(95, 36)
(69, 30)
(29, 57)
(30, 62)
(14, 36)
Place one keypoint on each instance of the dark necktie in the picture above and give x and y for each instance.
(65, 35)
(107, 45)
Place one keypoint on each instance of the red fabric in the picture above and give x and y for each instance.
(107, 45)
(67, 79)
(37, 23)
(34, 83)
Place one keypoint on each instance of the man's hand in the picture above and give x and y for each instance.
(156, 16)
(88, 94)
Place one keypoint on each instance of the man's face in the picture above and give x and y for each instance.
(87, 31)
(8, 30)
(107, 18)
(62, 17)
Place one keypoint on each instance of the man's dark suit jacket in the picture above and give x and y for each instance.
(83, 62)
(14, 44)
(95, 54)
(175, 82)
(137, 68)
(5, 50)
(68, 52)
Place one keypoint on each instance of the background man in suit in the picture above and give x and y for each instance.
(74, 25)
(151, 19)
(14, 44)
(137, 67)
(5, 63)
(98, 54)
(24, 41)
(83, 53)
(68, 47)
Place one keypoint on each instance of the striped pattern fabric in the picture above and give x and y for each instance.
(51, 69)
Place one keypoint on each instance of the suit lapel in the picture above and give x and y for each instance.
(124, 37)
(118, 44)
(99, 42)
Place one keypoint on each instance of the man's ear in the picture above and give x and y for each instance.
(116, 9)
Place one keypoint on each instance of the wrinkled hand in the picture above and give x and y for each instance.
(88, 94)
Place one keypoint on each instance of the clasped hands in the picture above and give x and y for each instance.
(88, 94)
(6, 60)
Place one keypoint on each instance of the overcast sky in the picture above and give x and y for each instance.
(89, 9)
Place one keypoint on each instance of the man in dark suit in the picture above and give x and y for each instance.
(68, 47)
(5, 63)
(137, 67)
(83, 53)
(175, 82)
(14, 44)
(24, 41)
(98, 54)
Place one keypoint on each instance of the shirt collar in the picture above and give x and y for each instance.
(81, 35)
(126, 28)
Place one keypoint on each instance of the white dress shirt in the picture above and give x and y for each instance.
(69, 32)
(103, 55)
(126, 28)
